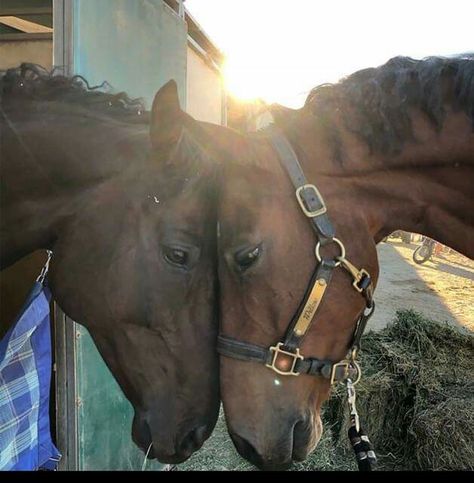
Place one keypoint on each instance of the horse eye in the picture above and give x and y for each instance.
(247, 257)
(176, 256)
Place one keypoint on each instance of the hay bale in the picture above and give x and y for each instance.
(416, 397)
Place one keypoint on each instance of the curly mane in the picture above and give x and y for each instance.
(32, 82)
(375, 102)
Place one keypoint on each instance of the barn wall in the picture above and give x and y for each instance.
(138, 45)
(204, 89)
(14, 52)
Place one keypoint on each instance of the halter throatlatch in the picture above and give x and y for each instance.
(285, 357)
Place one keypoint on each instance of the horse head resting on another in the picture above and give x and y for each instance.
(124, 198)
(388, 148)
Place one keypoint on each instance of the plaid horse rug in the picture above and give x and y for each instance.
(25, 377)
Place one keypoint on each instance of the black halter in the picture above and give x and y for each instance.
(284, 357)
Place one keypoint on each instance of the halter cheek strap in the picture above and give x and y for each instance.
(284, 357)
(308, 196)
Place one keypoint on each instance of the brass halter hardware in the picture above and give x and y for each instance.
(277, 350)
(347, 364)
(357, 275)
(311, 213)
(342, 248)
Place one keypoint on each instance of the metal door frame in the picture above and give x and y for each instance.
(64, 327)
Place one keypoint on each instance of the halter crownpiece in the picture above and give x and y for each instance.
(284, 357)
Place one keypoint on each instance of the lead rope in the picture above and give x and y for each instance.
(365, 455)
(364, 452)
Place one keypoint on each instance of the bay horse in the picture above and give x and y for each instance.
(124, 199)
(384, 149)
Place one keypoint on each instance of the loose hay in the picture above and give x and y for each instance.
(416, 401)
(416, 397)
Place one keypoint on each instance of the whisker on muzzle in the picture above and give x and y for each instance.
(146, 456)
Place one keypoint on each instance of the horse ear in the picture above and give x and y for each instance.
(166, 117)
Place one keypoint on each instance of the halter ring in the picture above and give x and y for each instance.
(347, 364)
(342, 255)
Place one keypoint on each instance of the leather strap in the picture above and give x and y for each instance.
(302, 320)
(310, 196)
(244, 351)
(360, 327)
(312, 366)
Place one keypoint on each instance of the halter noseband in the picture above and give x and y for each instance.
(284, 357)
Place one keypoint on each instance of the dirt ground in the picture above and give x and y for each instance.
(441, 288)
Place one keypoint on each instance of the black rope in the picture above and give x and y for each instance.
(364, 452)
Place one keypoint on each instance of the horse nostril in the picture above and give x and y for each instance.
(246, 450)
(194, 439)
(305, 438)
(141, 434)
(200, 435)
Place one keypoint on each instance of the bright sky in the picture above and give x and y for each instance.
(279, 49)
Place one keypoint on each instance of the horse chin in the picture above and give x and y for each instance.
(169, 459)
(169, 446)
(163, 457)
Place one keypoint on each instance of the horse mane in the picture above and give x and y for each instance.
(375, 102)
(32, 82)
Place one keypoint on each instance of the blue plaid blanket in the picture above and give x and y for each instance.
(25, 377)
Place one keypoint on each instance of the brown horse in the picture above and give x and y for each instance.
(124, 198)
(388, 148)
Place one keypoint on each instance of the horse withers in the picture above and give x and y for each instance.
(384, 149)
(125, 200)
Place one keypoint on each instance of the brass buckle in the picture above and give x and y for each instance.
(308, 213)
(357, 274)
(347, 364)
(295, 355)
(360, 275)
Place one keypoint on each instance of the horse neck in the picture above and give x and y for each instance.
(51, 159)
(426, 188)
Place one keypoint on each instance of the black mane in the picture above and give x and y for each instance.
(375, 102)
(33, 82)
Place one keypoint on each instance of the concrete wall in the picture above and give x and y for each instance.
(14, 52)
(204, 90)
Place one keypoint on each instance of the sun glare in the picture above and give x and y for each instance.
(278, 51)
(239, 82)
